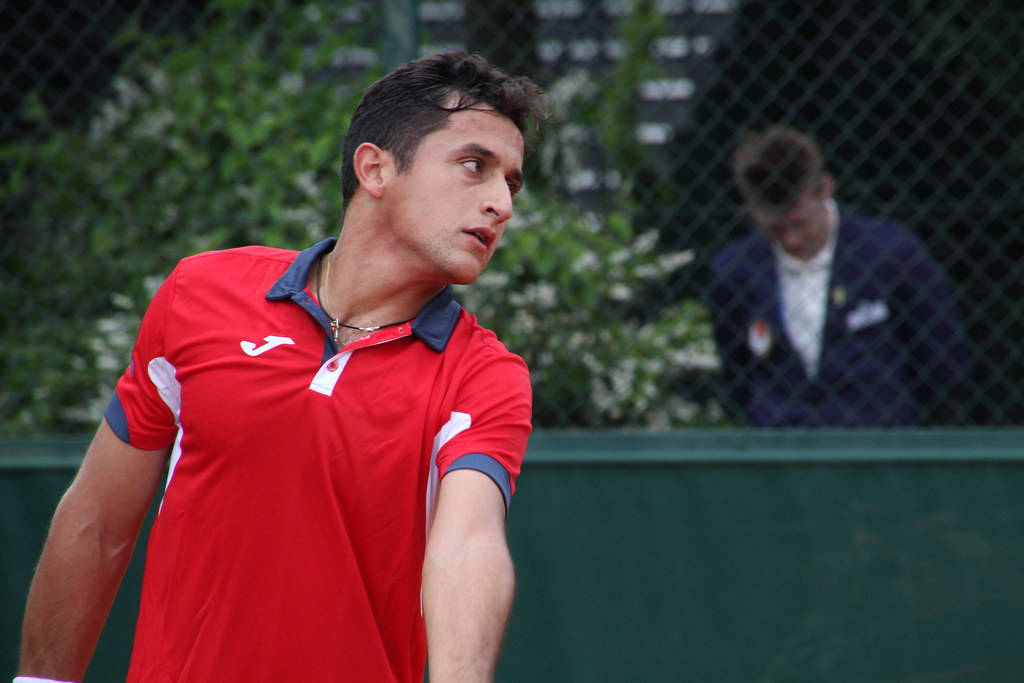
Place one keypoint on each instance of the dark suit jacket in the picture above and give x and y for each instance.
(893, 344)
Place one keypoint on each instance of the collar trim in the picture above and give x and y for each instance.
(434, 324)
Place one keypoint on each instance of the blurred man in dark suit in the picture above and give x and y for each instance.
(825, 317)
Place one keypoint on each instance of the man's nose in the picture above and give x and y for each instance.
(499, 202)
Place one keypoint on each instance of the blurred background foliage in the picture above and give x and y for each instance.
(133, 136)
(563, 291)
(222, 134)
(229, 132)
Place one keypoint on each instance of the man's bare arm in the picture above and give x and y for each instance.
(90, 542)
(468, 580)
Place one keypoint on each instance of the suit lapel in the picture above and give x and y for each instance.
(841, 278)
(768, 307)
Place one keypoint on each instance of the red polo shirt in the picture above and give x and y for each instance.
(290, 538)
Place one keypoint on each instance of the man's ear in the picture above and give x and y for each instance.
(373, 167)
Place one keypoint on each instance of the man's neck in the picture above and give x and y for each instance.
(361, 283)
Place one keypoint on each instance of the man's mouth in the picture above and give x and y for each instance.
(483, 235)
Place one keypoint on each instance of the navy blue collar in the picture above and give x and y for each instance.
(434, 323)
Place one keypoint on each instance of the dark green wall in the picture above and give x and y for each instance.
(708, 556)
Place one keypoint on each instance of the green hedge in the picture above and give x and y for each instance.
(232, 135)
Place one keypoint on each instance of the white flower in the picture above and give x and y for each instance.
(646, 242)
(305, 216)
(545, 295)
(157, 80)
(618, 257)
(587, 262)
(306, 182)
(155, 124)
(291, 84)
(493, 279)
(694, 358)
(675, 260)
(312, 14)
(647, 271)
(619, 292)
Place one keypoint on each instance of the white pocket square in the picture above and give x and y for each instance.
(867, 313)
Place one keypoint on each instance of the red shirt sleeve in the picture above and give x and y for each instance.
(147, 396)
(495, 394)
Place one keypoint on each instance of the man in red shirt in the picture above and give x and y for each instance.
(341, 439)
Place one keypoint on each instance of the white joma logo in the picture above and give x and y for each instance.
(272, 341)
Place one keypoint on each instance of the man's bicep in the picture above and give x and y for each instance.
(116, 481)
(490, 467)
(469, 503)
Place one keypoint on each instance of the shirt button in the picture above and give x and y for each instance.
(332, 366)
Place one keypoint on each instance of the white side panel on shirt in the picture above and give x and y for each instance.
(456, 424)
(164, 377)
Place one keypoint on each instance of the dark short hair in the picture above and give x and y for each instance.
(416, 99)
(775, 167)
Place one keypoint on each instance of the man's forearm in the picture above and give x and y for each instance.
(70, 597)
(87, 551)
(467, 598)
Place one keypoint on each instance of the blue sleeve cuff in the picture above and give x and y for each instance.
(116, 418)
(489, 466)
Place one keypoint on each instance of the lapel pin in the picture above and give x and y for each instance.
(759, 338)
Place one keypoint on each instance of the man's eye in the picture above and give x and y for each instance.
(473, 165)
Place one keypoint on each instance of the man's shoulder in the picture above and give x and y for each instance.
(236, 264)
(238, 255)
(473, 333)
(876, 234)
(868, 224)
(482, 343)
(752, 249)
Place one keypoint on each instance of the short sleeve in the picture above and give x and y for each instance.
(493, 405)
(143, 409)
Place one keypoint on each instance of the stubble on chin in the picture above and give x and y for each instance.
(457, 265)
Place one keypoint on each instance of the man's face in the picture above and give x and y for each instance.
(447, 212)
(803, 229)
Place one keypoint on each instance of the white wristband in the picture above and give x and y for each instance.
(33, 679)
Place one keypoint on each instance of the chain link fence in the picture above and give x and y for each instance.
(133, 135)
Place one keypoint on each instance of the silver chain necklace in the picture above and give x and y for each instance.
(336, 324)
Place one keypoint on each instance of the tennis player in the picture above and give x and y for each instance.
(340, 438)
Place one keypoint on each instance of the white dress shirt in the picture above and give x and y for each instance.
(803, 286)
